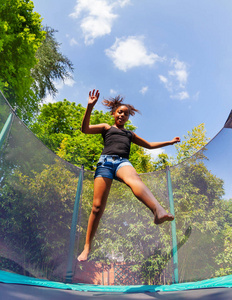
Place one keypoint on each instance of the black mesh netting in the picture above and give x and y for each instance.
(37, 196)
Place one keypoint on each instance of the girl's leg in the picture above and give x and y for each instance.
(101, 191)
(130, 177)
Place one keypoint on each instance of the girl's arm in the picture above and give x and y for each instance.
(153, 145)
(86, 127)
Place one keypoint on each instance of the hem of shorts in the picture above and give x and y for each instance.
(103, 176)
(123, 164)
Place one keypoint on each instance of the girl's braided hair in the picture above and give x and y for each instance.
(114, 103)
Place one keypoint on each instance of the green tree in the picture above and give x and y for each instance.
(194, 141)
(162, 161)
(20, 37)
(51, 65)
(30, 58)
(36, 215)
(199, 203)
(224, 258)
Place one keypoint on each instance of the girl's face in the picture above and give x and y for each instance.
(121, 115)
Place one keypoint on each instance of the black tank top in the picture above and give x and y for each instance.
(117, 142)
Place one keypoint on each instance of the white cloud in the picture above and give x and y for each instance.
(48, 99)
(163, 79)
(123, 3)
(69, 81)
(181, 95)
(167, 83)
(130, 52)
(143, 90)
(179, 72)
(60, 84)
(196, 96)
(96, 17)
(73, 42)
(176, 80)
(113, 92)
(155, 152)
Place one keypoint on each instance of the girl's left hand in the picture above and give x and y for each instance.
(175, 140)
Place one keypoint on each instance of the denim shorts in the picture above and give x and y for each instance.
(108, 165)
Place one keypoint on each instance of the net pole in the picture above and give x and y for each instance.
(5, 129)
(69, 273)
(173, 228)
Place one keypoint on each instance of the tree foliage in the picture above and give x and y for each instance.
(194, 141)
(224, 258)
(51, 65)
(162, 161)
(36, 214)
(30, 58)
(20, 37)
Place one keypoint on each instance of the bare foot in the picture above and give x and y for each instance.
(162, 216)
(84, 254)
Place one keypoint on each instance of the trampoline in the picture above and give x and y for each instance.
(44, 207)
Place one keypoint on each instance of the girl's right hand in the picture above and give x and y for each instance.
(93, 97)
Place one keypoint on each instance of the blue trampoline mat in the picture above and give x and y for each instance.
(219, 282)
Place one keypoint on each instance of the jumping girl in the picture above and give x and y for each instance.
(114, 164)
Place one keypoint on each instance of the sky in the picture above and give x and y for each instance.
(171, 59)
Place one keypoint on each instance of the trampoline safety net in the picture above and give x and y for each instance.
(45, 203)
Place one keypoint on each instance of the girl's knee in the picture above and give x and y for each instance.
(97, 208)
